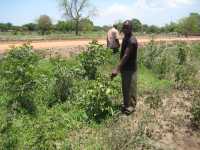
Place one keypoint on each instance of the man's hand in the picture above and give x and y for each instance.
(115, 72)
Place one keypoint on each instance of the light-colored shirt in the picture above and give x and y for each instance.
(112, 35)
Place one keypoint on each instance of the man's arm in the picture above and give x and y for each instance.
(107, 42)
(122, 62)
(117, 41)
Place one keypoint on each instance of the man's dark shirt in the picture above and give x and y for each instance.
(131, 64)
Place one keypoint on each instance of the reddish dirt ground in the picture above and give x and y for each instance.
(63, 44)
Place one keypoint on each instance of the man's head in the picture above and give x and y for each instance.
(127, 27)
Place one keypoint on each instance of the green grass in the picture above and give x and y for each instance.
(148, 81)
(24, 36)
(53, 126)
(65, 125)
(45, 65)
(7, 36)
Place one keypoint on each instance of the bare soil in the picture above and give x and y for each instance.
(67, 47)
(166, 128)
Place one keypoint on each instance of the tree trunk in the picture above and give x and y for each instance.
(77, 27)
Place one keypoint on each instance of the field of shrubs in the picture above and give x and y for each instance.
(49, 103)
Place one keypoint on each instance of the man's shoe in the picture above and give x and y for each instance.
(123, 108)
(129, 110)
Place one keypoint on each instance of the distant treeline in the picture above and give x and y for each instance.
(189, 25)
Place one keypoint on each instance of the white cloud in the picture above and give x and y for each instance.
(148, 11)
(116, 12)
(175, 3)
(119, 11)
(166, 3)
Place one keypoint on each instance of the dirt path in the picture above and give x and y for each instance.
(165, 128)
(80, 43)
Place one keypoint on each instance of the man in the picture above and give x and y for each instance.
(128, 68)
(113, 39)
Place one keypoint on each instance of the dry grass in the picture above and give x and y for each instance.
(165, 128)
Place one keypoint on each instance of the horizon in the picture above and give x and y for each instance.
(109, 12)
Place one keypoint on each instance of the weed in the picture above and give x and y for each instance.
(154, 100)
(195, 110)
(17, 70)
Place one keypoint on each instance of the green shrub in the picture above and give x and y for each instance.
(158, 58)
(182, 55)
(196, 51)
(98, 99)
(62, 87)
(170, 62)
(10, 141)
(150, 54)
(162, 67)
(50, 131)
(184, 74)
(195, 110)
(17, 72)
(185, 70)
(95, 55)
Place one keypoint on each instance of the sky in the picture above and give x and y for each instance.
(151, 12)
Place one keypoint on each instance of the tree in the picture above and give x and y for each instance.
(137, 25)
(144, 28)
(44, 24)
(106, 28)
(119, 24)
(170, 27)
(153, 29)
(74, 9)
(86, 25)
(5, 27)
(61, 26)
(97, 28)
(65, 26)
(30, 26)
(9, 25)
(189, 24)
